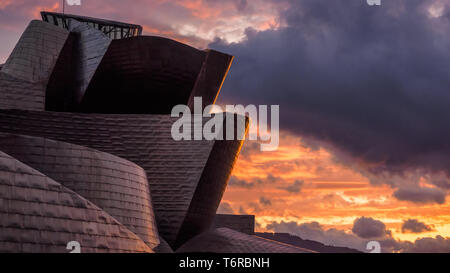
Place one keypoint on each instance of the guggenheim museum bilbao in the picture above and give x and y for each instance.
(86, 153)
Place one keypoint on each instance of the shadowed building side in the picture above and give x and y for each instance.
(211, 77)
(39, 215)
(163, 247)
(112, 29)
(118, 186)
(143, 75)
(212, 184)
(184, 176)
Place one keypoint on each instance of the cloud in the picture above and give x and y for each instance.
(295, 187)
(421, 195)
(370, 83)
(414, 226)
(225, 208)
(252, 182)
(316, 232)
(265, 202)
(369, 228)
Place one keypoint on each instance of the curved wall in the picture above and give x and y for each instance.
(187, 178)
(40, 215)
(211, 187)
(241, 223)
(116, 185)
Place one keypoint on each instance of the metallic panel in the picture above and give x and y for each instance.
(187, 178)
(224, 240)
(118, 186)
(113, 29)
(24, 76)
(38, 214)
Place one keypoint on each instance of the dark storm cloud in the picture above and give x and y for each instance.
(252, 182)
(240, 5)
(421, 195)
(414, 226)
(367, 228)
(373, 82)
(295, 187)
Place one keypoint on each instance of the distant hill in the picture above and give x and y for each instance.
(308, 244)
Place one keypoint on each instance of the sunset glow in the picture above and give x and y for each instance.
(363, 96)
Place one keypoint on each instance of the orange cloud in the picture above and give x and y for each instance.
(36, 11)
(332, 194)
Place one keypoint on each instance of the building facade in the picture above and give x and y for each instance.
(85, 109)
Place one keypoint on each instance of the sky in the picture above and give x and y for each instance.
(363, 92)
